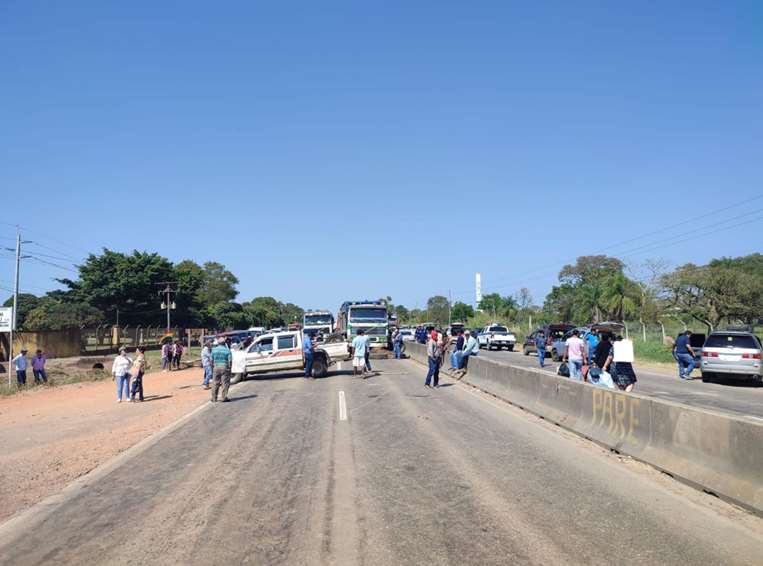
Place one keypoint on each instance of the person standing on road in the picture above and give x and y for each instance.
(434, 355)
(592, 340)
(166, 357)
(574, 352)
(368, 354)
(177, 353)
(136, 371)
(19, 362)
(221, 363)
(38, 367)
(120, 374)
(397, 343)
(206, 363)
(623, 375)
(684, 355)
(359, 348)
(307, 350)
(540, 346)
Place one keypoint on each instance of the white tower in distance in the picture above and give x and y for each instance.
(478, 288)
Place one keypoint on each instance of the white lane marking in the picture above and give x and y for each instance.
(342, 407)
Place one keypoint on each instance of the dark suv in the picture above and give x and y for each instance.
(551, 331)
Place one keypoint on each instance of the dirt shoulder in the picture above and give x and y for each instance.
(51, 436)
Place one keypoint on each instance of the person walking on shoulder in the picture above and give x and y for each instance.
(166, 357)
(684, 355)
(307, 350)
(177, 353)
(19, 363)
(574, 352)
(434, 354)
(38, 367)
(120, 374)
(206, 362)
(136, 371)
(359, 348)
(540, 346)
(221, 363)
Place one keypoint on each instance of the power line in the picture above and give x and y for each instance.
(35, 258)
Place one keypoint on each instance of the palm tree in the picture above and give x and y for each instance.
(616, 296)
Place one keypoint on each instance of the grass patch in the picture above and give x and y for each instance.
(652, 351)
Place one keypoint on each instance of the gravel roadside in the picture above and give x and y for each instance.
(51, 436)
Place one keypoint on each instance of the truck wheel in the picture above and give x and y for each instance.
(510, 348)
(236, 377)
(320, 368)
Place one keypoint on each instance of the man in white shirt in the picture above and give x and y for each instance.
(20, 363)
(574, 353)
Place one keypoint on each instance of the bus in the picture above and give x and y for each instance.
(371, 316)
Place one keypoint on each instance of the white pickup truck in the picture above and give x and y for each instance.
(282, 351)
(496, 336)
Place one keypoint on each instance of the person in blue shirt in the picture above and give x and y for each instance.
(592, 341)
(540, 346)
(359, 349)
(307, 350)
(684, 355)
(221, 363)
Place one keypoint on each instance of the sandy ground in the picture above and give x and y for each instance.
(51, 436)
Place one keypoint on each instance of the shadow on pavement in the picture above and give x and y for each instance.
(156, 397)
(243, 397)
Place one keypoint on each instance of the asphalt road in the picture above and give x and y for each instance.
(380, 471)
(741, 399)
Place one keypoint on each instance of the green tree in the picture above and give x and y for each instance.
(115, 281)
(403, 315)
(461, 312)
(498, 306)
(438, 308)
(52, 315)
(218, 284)
(227, 315)
(617, 296)
(26, 303)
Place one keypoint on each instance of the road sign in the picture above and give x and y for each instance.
(6, 319)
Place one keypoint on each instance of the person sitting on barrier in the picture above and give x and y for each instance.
(472, 348)
(597, 375)
(459, 348)
(619, 365)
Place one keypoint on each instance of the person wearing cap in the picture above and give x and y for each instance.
(120, 374)
(38, 367)
(221, 363)
(206, 362)
(19, 362)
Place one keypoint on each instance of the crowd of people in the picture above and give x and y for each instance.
(172, 352)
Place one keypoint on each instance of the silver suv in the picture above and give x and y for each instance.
(732, 354)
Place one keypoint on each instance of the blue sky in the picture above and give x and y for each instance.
(343, 150)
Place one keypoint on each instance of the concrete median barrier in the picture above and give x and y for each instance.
(718, 453)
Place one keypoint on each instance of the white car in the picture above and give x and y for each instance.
(496, 336)
(407, 334)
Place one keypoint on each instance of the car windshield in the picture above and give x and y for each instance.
(317, 319)
(731, 341)
(368, 314)
(501, 329)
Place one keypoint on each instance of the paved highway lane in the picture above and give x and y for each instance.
(380, 471)
(739, 399)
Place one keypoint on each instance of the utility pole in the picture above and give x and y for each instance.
(450, 303)
(168, 303)
(19, 257)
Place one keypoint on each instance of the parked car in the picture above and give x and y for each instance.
(732, 354)
(407, 334)
(551, 331)
(559, 344)
(455, 328)
(496, 336)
